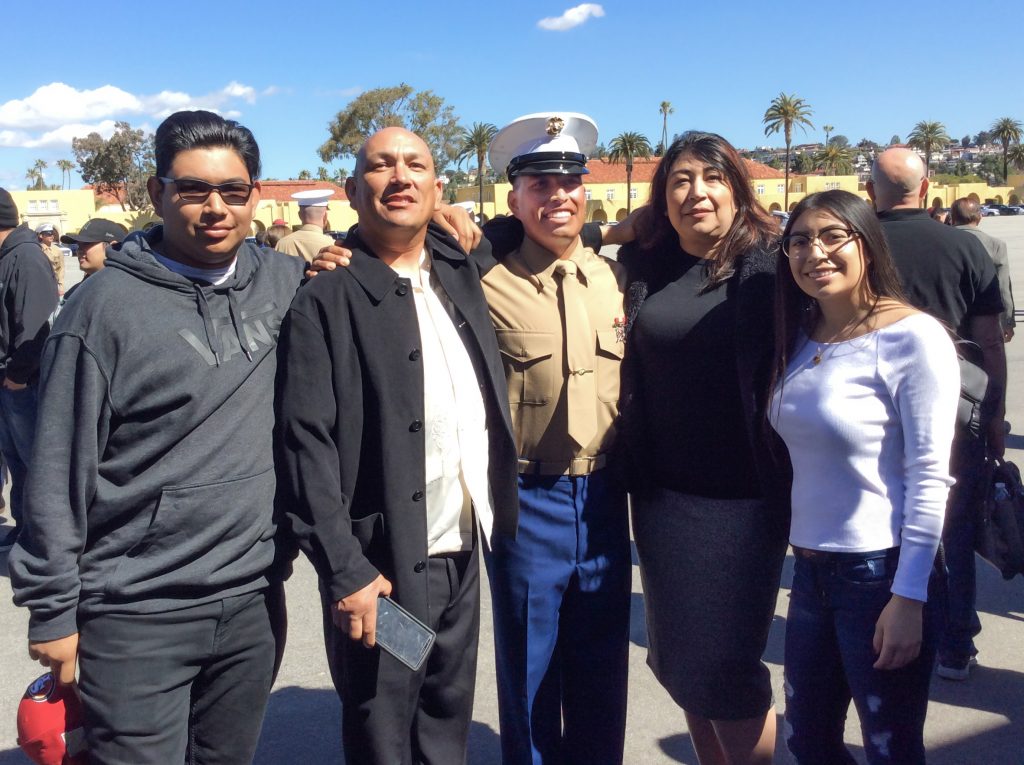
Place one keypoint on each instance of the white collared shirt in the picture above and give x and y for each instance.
(454, 424)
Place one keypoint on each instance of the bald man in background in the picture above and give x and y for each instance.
(966, 216)
(947, 273)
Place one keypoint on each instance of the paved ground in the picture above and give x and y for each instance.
(979, 722)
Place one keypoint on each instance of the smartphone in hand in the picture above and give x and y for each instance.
(403, 635)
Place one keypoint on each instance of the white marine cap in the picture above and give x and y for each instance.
(313, 197)
(544, 143)
(44, 227)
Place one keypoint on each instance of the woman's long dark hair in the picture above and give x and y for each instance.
(752, 228)
(795, 310)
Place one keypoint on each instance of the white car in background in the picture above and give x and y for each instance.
(987, 211)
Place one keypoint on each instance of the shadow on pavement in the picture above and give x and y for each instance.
(304, 726)
(996, 691)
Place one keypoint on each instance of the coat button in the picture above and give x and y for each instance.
(416, 426)
(401, 290)
(417, 496)
(415, 355)
(418, 568)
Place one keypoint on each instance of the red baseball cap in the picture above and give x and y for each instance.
(50, 728)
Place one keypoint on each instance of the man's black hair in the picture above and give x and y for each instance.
(183, 131)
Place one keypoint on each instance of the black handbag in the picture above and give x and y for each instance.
(999, 535)
(978, 396)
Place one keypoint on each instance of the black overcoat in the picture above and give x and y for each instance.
(350, 437)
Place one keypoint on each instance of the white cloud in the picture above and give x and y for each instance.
(56, 113)
(571, 18)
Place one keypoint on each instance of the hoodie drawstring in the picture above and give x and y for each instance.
(233, 312)
(211, 333)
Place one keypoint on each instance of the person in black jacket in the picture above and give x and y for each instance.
(28, 295)
(148, 545)
(396, 455)
(709, 492)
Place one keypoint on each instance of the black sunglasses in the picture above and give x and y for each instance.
(193, 190)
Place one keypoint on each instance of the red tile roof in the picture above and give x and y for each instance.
(281, 191)
(603, 171)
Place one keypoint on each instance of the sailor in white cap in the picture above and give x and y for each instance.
(309, 238)
(47, 240)
(561, 587)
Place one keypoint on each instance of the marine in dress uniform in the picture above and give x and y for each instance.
(47, 236)
(309, 238)
(560, 588)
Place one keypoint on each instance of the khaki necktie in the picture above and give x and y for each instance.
(579, 351)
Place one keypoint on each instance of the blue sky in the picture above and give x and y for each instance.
(871, 69)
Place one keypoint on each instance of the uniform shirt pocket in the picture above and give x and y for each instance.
(609, 362)
(529, 368)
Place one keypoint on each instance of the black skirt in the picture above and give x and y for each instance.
(710, 570)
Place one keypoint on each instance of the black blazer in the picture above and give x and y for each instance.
(351, 464)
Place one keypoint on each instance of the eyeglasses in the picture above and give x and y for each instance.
(193, 190)
(829, 240)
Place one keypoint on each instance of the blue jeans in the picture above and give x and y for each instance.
(835, 602)
(17, 432)
(961, 617)
(560, 596)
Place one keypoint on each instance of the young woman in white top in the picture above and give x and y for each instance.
(864, 394)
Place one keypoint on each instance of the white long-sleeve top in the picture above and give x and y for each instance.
(869, 430)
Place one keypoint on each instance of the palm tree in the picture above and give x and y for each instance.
(1016, 156)
(926, 136)
(475, 142)
(600, 152)
(834, 160)
(784, 112)
(65, 166)
(626, 146)
(33, 177)
(1006, 130)
(829, 129)
(666, 109)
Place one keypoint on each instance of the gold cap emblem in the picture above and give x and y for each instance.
(555, 126)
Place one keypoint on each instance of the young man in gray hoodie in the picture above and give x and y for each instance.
(148, 540)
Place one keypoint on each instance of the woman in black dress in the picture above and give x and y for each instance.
(710, 490)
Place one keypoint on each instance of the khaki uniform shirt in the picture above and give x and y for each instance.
(523, 297)
(55, 255)
(305, 242)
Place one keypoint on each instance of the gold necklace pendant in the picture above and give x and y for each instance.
(817, 356)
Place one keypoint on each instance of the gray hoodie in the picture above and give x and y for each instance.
(152, 484)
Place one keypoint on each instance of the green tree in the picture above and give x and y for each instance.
(983, 138)
(624, 148)
(474, 145)
(1016, 156)
(828, 130)
(783, 113)
(40, 166)
(33, 178)
(803, 163)
(834, 160)
(927, 136)
(839, 140)
(666, 109)
(65, 166)
(989, 168)
(1007, 131)
(322, 174)
(894, 140)
(600, 152)
(965, 142)
(423, 112)
(305, 175)
(118, 166)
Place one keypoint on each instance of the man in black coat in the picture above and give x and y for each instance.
(396, 455)
(28, 295)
